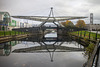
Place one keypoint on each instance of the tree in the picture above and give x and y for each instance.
(68, 23)
(80, 24)
(63, 23)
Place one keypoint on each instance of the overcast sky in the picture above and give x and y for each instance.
(61, 7)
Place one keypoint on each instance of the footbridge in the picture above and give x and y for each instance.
(49, 19)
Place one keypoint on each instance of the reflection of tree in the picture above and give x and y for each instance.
(5, 50)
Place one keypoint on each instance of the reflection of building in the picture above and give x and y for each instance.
(2, 52)
(4, 20)
(5, 49)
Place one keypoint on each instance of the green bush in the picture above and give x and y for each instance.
(89, 49)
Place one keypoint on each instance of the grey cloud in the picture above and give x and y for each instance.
(61, 7)
(94, 1)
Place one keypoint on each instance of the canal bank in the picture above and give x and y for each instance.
(50, 44)
(10, 38)
(92, 48)
(51, 51)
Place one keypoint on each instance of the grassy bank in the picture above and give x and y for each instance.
(7, 33)
(86, 34)
(89, 39)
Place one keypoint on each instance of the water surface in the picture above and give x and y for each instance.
(48, 52)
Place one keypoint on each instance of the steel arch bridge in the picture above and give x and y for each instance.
(51, 18)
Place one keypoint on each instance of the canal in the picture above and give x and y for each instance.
(42, 51)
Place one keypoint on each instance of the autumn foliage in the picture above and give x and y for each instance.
(67, 23)
(80, 24)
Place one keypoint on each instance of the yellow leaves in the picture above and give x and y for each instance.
(67, 23)
(63, 23)
(80, 24)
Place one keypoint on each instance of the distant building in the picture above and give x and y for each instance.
(13, 24)
(4, 20)
(91, 18)
(7, 23)
(91, 26)
(17, 24)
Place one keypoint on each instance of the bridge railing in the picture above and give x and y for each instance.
(92, 62)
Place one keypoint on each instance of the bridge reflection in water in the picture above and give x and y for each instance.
(45, 44)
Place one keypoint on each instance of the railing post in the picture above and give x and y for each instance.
(81, 33)
(89, 34)
(10, 33)
(84, 33)
(4, 33)
(18, 32)
(15, 32)
(96, 35)
(24, 32)
(21, 32)
(78, 33)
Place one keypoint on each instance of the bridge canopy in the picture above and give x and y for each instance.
(51, 19)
